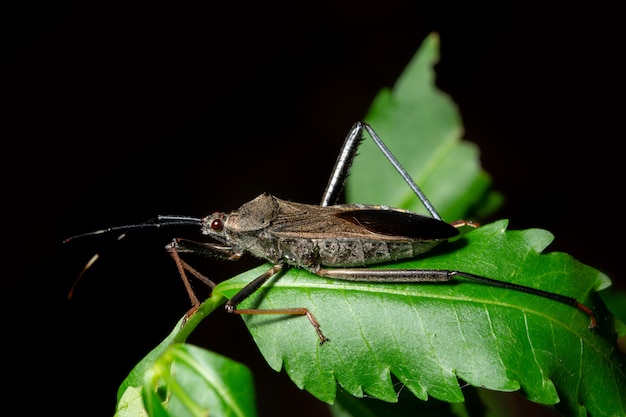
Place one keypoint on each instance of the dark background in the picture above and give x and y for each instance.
(116, 112)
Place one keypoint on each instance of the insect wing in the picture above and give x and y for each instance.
(399, 223)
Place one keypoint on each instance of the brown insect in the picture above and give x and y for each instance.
(332, 241)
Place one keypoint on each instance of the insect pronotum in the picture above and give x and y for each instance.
(330, 240)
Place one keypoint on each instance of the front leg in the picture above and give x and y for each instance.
(209, 249)
(177, 246)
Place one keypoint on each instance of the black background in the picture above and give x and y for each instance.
(113, 113)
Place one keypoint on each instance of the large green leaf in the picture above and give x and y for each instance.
(407, 406)
(430, 335)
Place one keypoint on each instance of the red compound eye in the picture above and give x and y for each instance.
(217, 224)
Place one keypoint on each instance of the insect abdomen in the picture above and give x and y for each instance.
(347, 252)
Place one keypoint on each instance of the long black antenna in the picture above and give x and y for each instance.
(159, 221)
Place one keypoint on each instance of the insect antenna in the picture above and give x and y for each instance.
(157, 222)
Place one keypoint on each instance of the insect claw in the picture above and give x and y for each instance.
(189, 313)
(461, 223)
(316, 326)
(593, 323)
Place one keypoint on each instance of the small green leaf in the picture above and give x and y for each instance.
(130, 404)
(189, 381)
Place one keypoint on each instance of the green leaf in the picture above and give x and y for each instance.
(130, 403)
(189, 381)
(407, 406)
(430, 335)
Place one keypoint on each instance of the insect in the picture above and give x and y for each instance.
(329, 240)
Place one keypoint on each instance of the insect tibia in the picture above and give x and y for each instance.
(251, 287)
(529, 290)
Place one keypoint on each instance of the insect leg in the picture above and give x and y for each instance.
(204, 248)
(250, 288)
(344, 161)
(425, 275)
(178, 246)
(405, 175)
